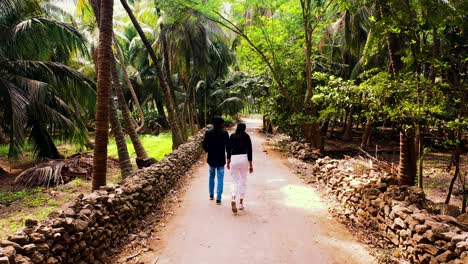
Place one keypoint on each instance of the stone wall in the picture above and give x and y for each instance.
(90, 224)
(400, 214)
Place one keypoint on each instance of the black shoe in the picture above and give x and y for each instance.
(211, 197)
(218, 201)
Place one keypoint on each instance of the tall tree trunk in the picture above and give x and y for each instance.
(104, 82)
(324, 126)
(126, 168)
(365, 141)
(171, 87)
(407, 167)
(420, 156)
(393, 46)
(176, 133)
(332, 129)
(456, 162)
(142, 159)
(161, 112)
(348, 132)
(130, 86)
(316, 138)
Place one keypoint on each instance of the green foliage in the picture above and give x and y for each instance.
(39, 94)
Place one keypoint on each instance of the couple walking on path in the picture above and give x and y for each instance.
(238, 147)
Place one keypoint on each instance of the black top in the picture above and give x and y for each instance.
(240, 145)
(214, 143)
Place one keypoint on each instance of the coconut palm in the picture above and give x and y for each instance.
(104, 82)
(39, 96)
(176, 132)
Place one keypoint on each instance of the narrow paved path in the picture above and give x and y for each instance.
(284, 221)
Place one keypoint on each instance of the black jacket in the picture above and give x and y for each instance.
(214, 143)
(240, 145)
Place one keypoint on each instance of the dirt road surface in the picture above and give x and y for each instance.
(284, 222)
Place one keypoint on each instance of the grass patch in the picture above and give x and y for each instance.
(6, 198)
(156, 146)
(31, 198)
(13, 223)
(77, 182)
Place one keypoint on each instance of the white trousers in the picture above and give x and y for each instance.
(239, 169)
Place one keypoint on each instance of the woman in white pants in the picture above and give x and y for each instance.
(239, 161)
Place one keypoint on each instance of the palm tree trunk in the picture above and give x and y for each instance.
(130, 86)
(176, 134)
(162, 114)
(104, 82)
(407, 167)
(126, 169)
(142, 159)
(393, 45)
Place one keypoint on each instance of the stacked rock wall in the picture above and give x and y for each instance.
(91, 224)
(401, 214)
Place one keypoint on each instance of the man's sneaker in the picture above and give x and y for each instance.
(218, 202)
(211, 197)
(233, 206)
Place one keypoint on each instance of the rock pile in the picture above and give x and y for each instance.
(400, 214)
(88, 226)
(300, 150)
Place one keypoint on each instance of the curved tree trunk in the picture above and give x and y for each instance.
(407, 167)
(366, 136)
(176, 133)
(120, 57)
(126, 169)
(104, 82)
(142, 159)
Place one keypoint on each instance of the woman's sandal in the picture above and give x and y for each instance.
(241, 207)
(233, 206)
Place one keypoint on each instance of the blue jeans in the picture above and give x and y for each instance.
(220, 173)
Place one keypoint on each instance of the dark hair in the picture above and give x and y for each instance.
(218, 122)
(240, 134)
(240, 130)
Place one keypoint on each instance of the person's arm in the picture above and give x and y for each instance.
(249, 153)
(228, 151)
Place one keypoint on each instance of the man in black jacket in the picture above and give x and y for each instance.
(215, 143)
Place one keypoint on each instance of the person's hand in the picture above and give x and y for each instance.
(251, 169)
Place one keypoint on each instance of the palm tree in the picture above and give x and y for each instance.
(39, 96)
(104, 83)
(142, 159)
(177, 138)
